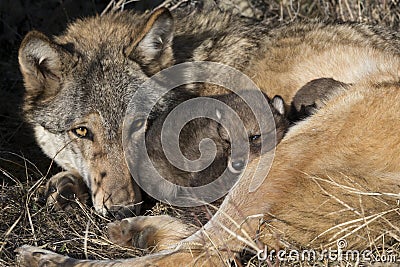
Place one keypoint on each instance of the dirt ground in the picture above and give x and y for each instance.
(24, 219)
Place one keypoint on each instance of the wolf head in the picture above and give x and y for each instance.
(259, 140)
(78, 86)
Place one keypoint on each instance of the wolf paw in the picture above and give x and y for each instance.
(63, 189)
(29, 256)
(149, 232)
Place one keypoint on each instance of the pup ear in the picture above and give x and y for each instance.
(279, 104)
(152, 47)
(40, 61)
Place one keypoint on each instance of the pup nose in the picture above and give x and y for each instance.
(238, 165)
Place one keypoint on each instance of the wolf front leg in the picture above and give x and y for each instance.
(149, 232)
(64, 188)
(29, 256)
(34, 257)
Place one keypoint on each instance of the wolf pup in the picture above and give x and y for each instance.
(313, 96)
(198, 129)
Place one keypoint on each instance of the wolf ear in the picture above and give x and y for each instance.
(40, 62)
(279, 104)
(152, 47)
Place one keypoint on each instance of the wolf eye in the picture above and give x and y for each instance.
(82, 132)
(254, 137)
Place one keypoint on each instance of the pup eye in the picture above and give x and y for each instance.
(82, 132)
(254, 137)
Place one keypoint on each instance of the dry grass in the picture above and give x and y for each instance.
(24, 219)
(79, 232)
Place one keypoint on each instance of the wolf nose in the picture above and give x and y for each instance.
(238, 165)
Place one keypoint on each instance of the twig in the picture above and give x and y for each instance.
(85, 250)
